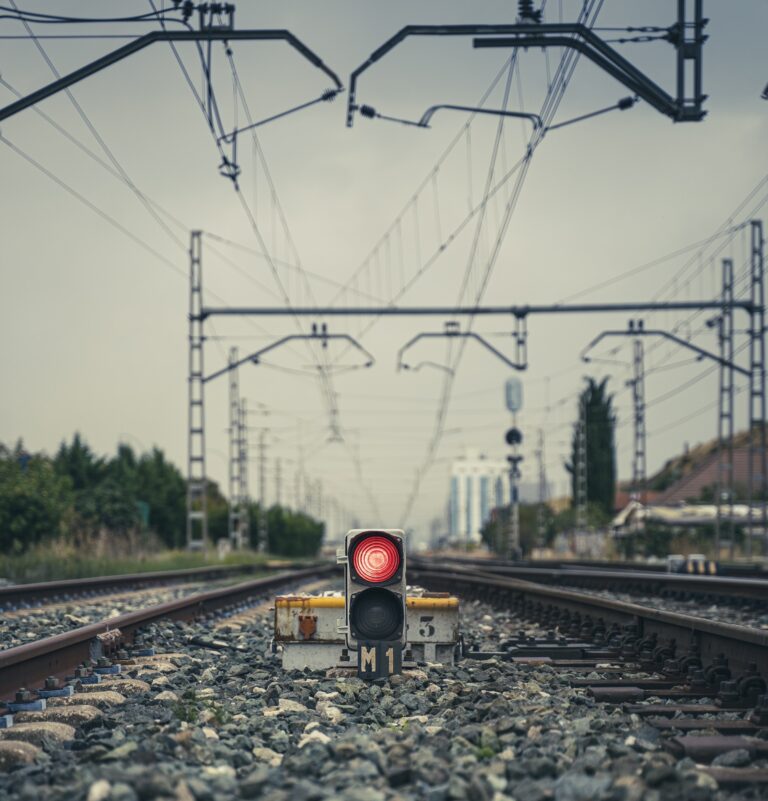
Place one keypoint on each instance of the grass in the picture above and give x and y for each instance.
(58, 561)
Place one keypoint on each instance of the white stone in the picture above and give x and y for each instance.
(219, 771)
(315, 736)
(272, 758)
(99, 790)
(333, 714)
(210, 734)
(288, 705)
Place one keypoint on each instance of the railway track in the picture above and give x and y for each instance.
(691, 666)
(59, 656)
(14, 596)
(191, 704)
(753, 570)
(651, 582)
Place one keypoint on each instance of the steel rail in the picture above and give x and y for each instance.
(753, 587)
(629, 580)
(36, 592)
(742, 645)
(751, 570)
(28, 665)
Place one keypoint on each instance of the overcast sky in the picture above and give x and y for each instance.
(94, 310)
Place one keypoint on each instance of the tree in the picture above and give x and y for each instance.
(160, 485)
(601, 447)
(495, 532)
(289, 533)
(34, 500)
(78, 462)
(108, 506)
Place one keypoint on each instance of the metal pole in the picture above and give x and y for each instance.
(639, 462)
(513, 539)
(725, 412)
(758, 451)
(244, 533)
(581, 466)
(263, 531)
(514, 512)
(541, 513)
(235, 455)
(278, 481)
(197, 490)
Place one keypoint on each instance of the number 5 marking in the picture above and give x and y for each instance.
(426, 629)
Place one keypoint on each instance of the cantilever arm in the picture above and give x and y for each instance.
(609, 60)
(452, 334)
(642, 332)
(574, 35)
(427, 363)
(535, 119)
(433, 30)
(141, 42)
(255, 358)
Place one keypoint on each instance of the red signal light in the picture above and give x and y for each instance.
(376, 559)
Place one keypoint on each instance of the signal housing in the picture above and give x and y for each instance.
(375, 584)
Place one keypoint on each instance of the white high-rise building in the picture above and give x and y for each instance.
(478, 485)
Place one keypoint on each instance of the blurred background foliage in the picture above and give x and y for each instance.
(126, 505)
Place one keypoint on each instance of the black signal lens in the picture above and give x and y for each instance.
(376, 614)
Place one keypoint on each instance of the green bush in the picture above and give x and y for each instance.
(120, 502)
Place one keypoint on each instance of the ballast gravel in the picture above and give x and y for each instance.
(225, 722)
(20, 626)
(753, 614)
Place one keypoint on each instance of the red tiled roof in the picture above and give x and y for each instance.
(705, 475)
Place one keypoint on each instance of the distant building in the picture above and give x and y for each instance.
(478, 485)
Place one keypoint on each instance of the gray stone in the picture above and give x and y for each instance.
(530, 790)
(252, 784)
(580, 787)
(737, 758)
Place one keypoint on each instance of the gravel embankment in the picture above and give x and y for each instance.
(227, 723)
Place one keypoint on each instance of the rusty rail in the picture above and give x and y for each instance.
(624, 579)
(741, 644)
(15, 594)
(28, 665)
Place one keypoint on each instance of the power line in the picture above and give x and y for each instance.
(549, 108)
(102, 144)
(92, 206)
(39, 18)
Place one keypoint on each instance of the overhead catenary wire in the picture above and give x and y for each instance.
(587, 15)
(99, 139)
(327, 391)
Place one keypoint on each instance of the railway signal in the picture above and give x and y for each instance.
(374, 587)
